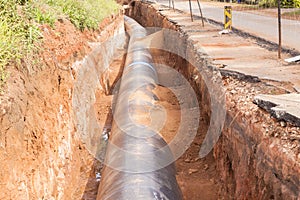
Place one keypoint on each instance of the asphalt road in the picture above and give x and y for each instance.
(262, 26)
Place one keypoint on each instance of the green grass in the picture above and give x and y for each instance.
(85, 13)
(17, 36)
(19, 20)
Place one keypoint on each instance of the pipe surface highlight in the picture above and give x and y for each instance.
(136, 156)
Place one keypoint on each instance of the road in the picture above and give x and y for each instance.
(262, 26)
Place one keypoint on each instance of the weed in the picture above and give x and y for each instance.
(19, 20)
(85, 14)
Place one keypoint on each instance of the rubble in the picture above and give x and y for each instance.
(285, 107)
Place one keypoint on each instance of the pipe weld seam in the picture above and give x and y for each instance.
(142, 63)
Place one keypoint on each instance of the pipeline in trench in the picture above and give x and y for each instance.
(150, 105)
(244, 166)
(136, 153)
(252, 158)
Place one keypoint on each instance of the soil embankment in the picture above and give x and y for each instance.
(41, 153)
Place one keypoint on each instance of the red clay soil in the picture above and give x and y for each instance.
(41, 157)
(65, 44)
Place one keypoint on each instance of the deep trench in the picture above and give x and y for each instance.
(197, 178)
(240, 165)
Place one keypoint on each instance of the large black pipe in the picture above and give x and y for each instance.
(138, 162)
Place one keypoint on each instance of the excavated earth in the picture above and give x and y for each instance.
(41, 155)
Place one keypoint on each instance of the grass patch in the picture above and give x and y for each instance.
(87, 13)
(295, 13)
(17, 36)
(19, 21)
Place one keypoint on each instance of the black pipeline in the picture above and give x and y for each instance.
(138, 162)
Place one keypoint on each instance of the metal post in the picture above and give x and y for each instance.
(191, 10)
(200, 13)
(279, 29)
(169, 3)
(173, 4)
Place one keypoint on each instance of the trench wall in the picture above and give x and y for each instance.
(92, 75)
(250, 165)
(42, 120)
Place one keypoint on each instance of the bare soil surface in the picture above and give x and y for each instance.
(40, 155)
(65, 44)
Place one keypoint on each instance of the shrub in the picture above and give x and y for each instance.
(284, 3)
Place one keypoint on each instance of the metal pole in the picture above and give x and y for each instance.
(279, 29)
(191, 10)
(200, 13)
(169, 3)
(173, 4)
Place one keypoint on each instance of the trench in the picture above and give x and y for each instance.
(56, 125)
(238, 165)
(191, 111)
(176, 112)
(196, 177)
